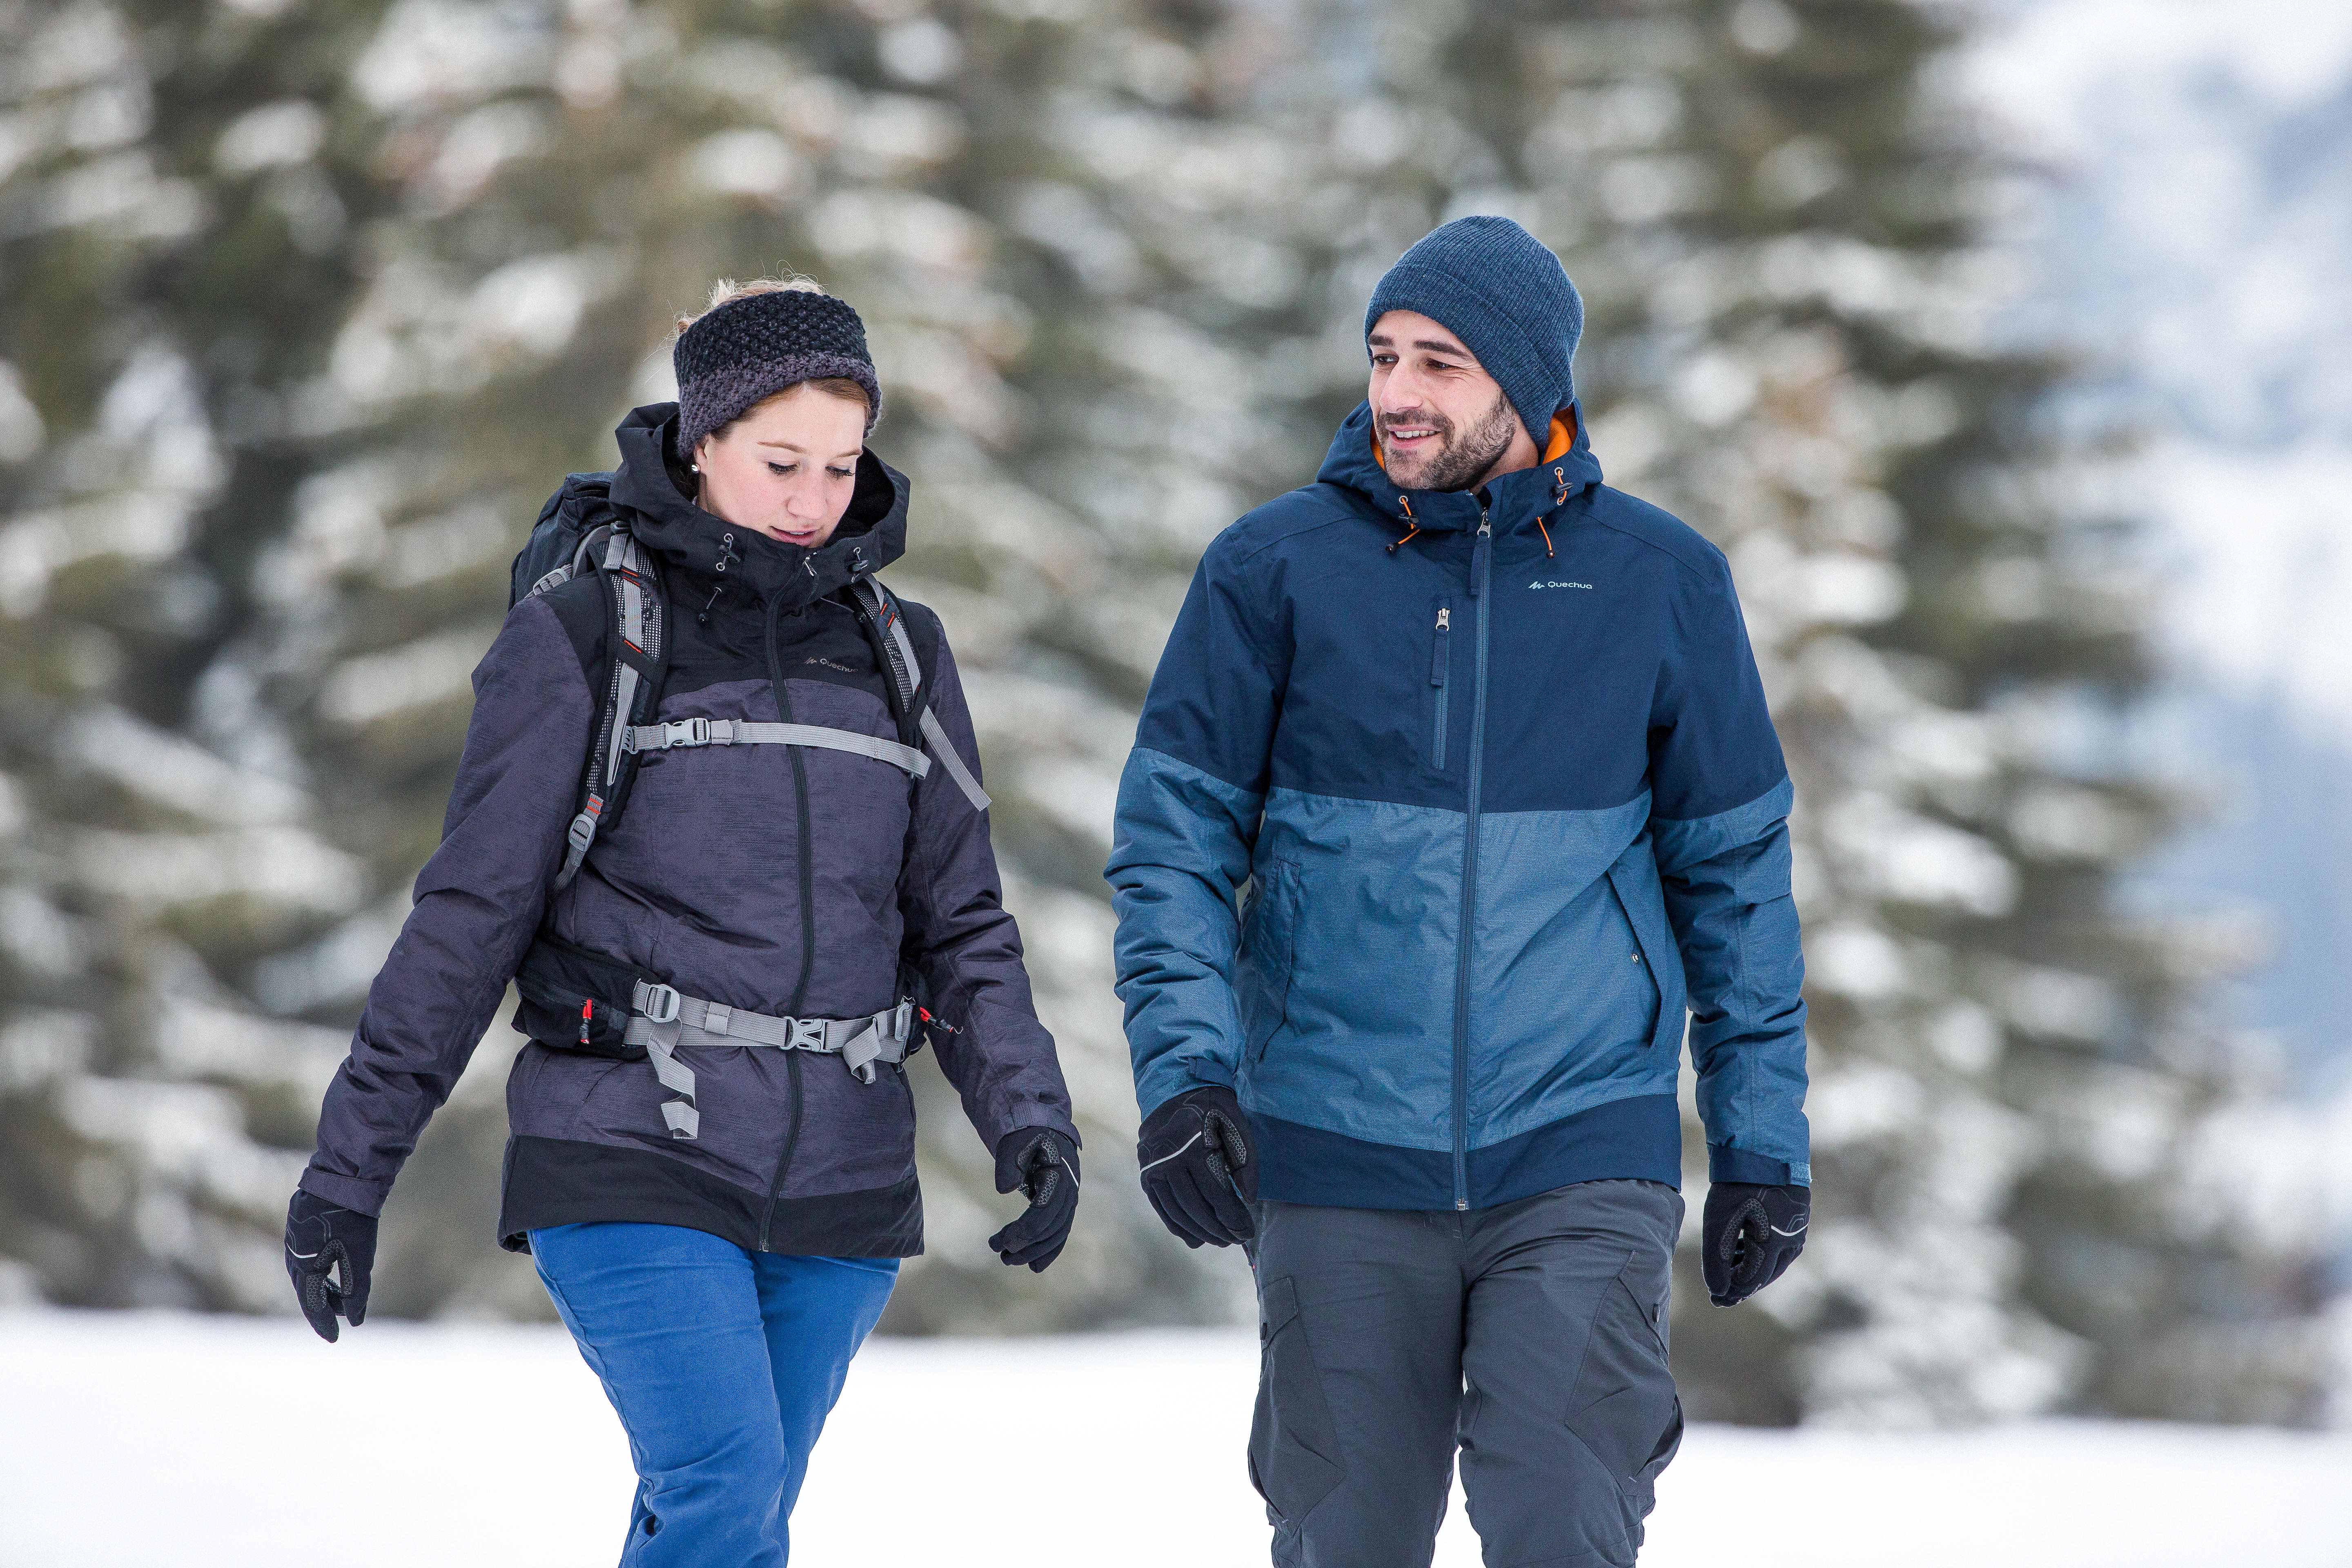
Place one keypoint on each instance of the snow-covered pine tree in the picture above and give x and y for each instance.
(178, 191)
(1782, 223)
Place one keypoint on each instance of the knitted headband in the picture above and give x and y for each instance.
(756, 346)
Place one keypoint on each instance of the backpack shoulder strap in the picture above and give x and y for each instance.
(637, 637)
(908, 678)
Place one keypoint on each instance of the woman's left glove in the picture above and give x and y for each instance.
(319, 1239)
(1043, 1164)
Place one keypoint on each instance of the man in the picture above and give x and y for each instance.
(1487, 740)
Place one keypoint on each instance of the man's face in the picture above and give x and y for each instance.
(1442, 421)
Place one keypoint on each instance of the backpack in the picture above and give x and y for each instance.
(580, 530)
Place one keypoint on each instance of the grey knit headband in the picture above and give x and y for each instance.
(757, 346)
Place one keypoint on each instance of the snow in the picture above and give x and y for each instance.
(127, 1438)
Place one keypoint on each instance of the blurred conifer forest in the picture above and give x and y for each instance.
(305, 305)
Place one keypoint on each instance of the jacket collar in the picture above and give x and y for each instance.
(1514, 500)
(652, 484)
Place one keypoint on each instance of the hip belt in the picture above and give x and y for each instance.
(584, 1001)
(666, 1018)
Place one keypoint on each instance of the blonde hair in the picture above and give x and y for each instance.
(726, 292)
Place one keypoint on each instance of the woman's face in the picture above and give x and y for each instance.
(787, 468)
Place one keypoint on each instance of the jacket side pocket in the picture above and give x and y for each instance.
(1268, 945)
(1665, 985)
(1294, 1447)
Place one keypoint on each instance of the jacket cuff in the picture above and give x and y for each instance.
(346, 1192)
(1033, 1115)
(1725, 1164)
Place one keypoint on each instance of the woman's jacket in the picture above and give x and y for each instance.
(789, 881)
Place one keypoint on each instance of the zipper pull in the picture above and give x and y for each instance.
(1444, 620)
(1437, 659)
(1480, 552)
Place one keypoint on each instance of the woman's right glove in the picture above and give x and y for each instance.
(319, 1239)
(1199, 1169)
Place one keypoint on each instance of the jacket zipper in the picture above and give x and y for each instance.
(808, 921)
(1440, 659)
(1482, 559)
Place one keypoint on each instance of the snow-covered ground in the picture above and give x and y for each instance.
(131, 1439)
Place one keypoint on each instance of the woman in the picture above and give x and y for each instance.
(714, 1193)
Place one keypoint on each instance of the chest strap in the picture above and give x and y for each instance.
(666, 1019)
(743, 732)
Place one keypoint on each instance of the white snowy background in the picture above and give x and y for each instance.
(2187, 230)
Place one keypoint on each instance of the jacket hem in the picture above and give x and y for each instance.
(1638, 1138)
(562, 1181)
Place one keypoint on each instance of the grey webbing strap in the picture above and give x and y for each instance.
(666, 1019)
(937, 734)
(743, 732)
(622, 564)
(925, 721)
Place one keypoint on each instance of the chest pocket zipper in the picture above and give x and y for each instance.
(1440, 657)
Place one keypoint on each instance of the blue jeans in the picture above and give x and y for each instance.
(722, 1366)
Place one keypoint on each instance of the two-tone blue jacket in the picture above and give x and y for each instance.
(1497, 772)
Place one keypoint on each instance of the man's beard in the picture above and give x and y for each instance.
(1462, 460)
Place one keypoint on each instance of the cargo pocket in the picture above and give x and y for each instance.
(1624, 1409)
(1267, 948)
(1293, 1448)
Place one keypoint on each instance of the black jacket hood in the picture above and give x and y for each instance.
(652, 483)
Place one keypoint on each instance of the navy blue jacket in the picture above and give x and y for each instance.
(1507, 801)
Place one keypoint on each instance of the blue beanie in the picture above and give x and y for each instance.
(1496, 287)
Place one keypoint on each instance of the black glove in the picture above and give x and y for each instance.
(1750, 1235)
(1044, 1164)
(319, 1237)
(1198, 1167)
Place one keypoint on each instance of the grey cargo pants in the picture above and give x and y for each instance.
(1532, 1335)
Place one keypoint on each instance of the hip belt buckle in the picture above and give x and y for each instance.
(658, 1003)
(808, 1035)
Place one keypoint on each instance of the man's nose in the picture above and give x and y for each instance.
(1401, 394)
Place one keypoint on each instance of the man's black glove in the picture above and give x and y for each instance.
(1750, 1235)
(1199, 1169)
(321, 1238)
(1044, 1164)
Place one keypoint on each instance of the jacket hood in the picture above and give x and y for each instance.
(653, 484)
(1514, 500)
